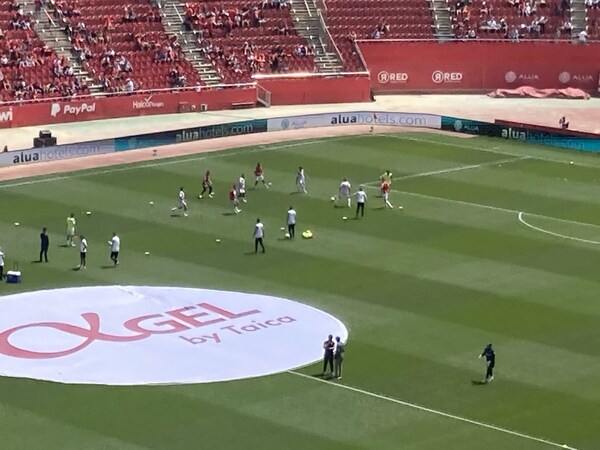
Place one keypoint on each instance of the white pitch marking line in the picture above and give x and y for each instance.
(459, 168)
(551, 233)
(181, 159)
(479, 205)
(488, 150)
(434, 411)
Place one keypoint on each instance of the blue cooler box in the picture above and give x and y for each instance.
(13, 276)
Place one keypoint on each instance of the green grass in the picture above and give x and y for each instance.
(421, 290)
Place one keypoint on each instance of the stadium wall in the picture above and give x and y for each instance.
(482, 66)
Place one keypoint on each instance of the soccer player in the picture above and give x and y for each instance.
(71, 222)
(206, 185)
(387, 176)
(490, 360)
(385, 191)
(361, 198)
(345, 192)
(115, 246)
(291, 222)
(241, 188)
(338, 358)
(233, 198)
(44, 244)
(329, 347)
(301, 180)
(182, 203)
(259, 234)
(259, 174)
(83, 248)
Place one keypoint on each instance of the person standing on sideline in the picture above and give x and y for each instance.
(182, 203)
(1, 263)
(71, 222)
(83, 248)
(241, 188)
(338, 358)
(206, 185)
(259, 234)
(329, 347)
(44, 244)
(385, 192)
(301, 180)
(291, 222)
(345, 192)
(361, 199)
(115, 246)
(234, 200)
(490, 360)
(259, 174)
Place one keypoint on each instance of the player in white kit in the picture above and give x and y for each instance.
(241, 188)
(301, 180)
(182, 203)
(115, 247)
(345, 192)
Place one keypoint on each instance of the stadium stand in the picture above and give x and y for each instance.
(29, 69)
(123, 45)
(511, 19)
(349, 20)
(244, 38)
(593, 19)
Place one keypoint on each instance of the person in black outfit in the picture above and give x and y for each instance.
(490, 359)
(329, 347)
(44, 244)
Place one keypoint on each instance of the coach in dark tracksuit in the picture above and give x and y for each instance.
(329, 347)
(490, 359)
(44, 244)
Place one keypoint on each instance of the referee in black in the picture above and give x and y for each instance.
(490, 359)
(329, 347)
(338, 358)
(44, 244)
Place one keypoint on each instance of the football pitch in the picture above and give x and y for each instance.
(496, 241)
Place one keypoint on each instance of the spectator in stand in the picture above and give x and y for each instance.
(567, 27)
(583, 37)
(129, 86)
(472, 34)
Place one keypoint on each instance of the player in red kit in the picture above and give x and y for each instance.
(233, 198)
(206, 185)
(385, 192)
(259, 175)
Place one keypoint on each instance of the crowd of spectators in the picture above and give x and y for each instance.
(103, 49)
(511, 19)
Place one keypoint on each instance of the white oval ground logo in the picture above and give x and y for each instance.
(130, 335)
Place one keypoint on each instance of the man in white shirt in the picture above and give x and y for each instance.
(1, 263)
(361, 199)
(345, 192)
(83, 248)
(182, 203)
(259, 234)
(291, 222)
(115, 246)
(301, 180)
(241, 188)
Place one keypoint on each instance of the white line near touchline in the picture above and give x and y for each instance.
(457, 169)
(434, 411)
(551, 233)
(180, 159)
(488, 150)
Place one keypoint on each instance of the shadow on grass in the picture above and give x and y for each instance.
(111, 266)
(478, 383)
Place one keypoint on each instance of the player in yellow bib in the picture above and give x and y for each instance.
(386, 177)
(71, 222)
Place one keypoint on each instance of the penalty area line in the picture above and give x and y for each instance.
(434, 411)
(551, 233)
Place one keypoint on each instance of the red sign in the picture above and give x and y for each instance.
(95, 108)
(480, 66)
